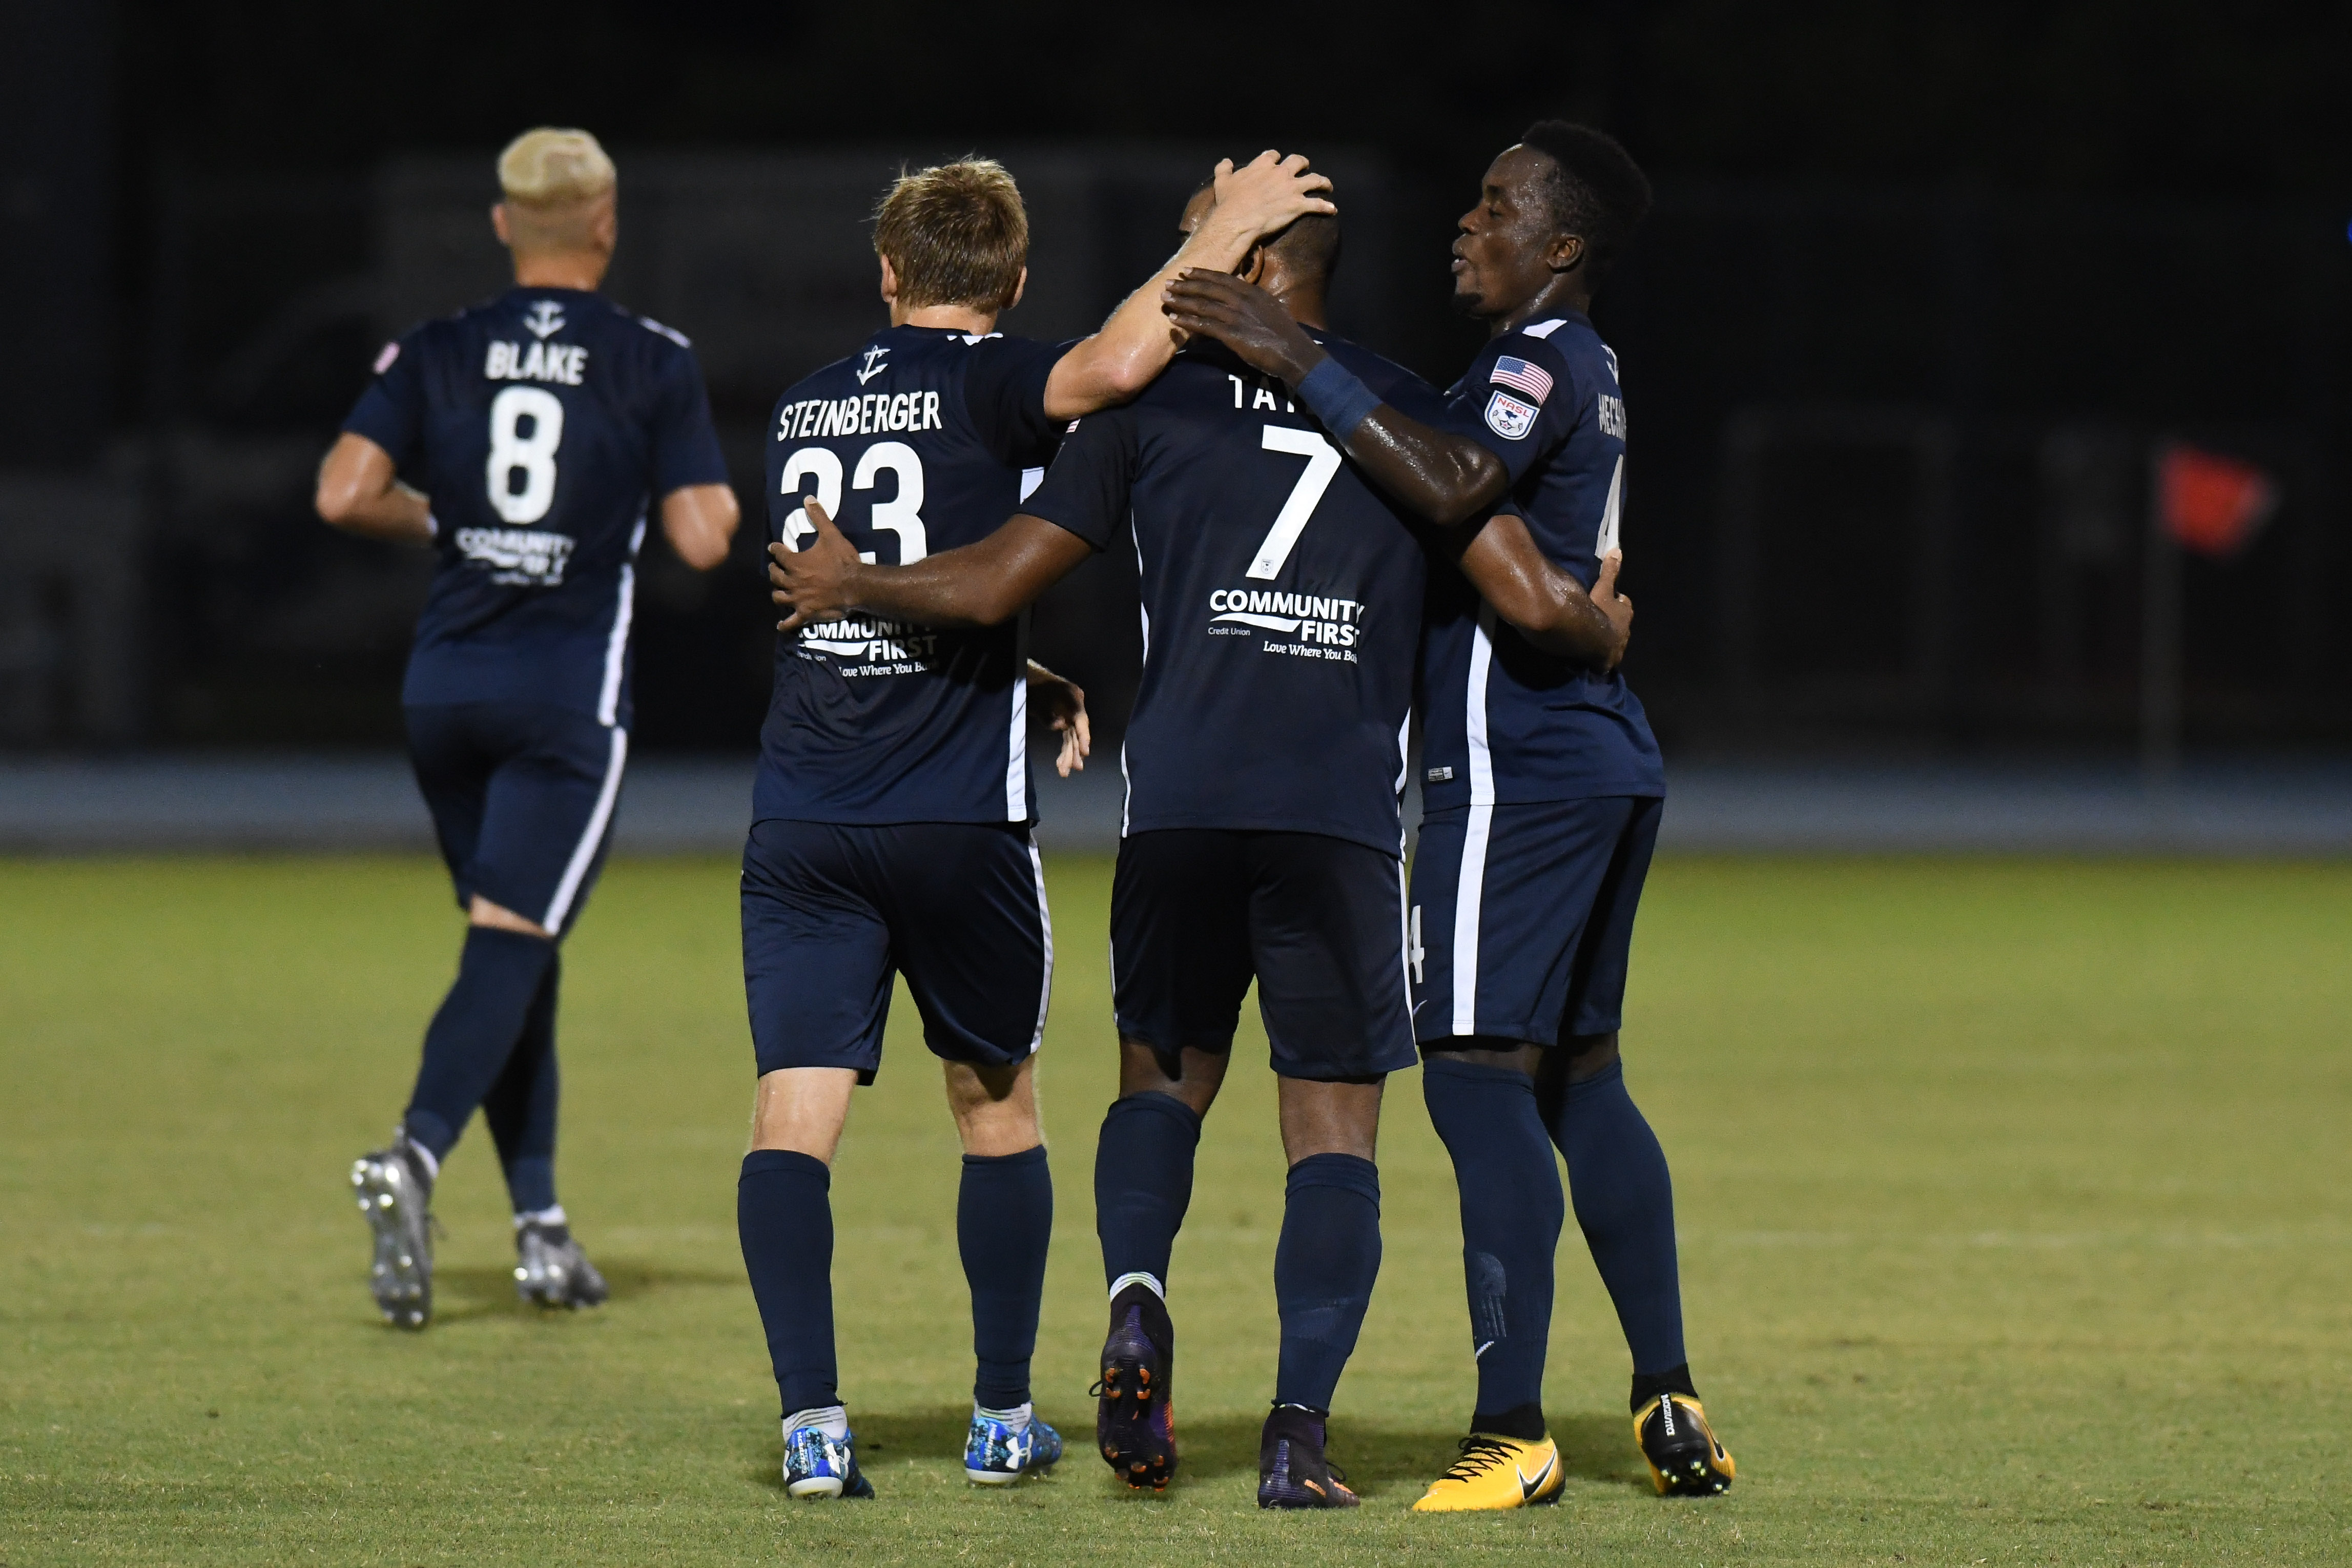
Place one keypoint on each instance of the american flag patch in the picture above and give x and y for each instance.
(1532, 379)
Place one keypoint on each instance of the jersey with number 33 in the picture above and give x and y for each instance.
(916, 444)
(541, 426)
(1282, 597)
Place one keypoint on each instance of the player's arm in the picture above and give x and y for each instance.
(1135, 345)
(1066, 706)
(983, 584)
(699, 523)
(1540, 598)
(1445, 477)
(360, 492)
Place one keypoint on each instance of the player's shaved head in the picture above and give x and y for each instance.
(560, 186)
(955, 234)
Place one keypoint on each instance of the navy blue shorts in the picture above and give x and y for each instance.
(830, 911)
(1536, 903)
(1197, 912)
(522, 795)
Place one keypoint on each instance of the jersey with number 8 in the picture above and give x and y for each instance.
(1282, 600)
(542, 425)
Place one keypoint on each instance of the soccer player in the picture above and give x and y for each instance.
(1282, 601)
(541, 425)
(891, 817)
(1543, 794)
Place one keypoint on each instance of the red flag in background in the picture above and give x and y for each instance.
(2212, 504)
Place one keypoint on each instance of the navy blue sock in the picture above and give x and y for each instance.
(784, 1214)
(1143, 1182)
(519, 1109)
(1324, 1267)
(1511, 1215)
(1004, 1220)
(468, 1042)
(1625, 1205)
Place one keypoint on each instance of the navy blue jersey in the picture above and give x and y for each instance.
(1502, 723)
(916, 444)
(541, 425)
(1282, 593)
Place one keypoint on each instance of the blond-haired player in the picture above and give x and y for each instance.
(892, 812)
(536, 431)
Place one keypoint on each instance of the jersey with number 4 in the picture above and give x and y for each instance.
(1504, 723)
(539, 424)
(916, 444)
(1282, 598)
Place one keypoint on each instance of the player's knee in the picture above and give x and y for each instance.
(1189, 1076)
(498, 917)
(995, 1108)
(1580, 1057)
(802, 1109)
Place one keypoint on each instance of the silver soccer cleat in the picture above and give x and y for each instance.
(551, 1270)
(396, 1202)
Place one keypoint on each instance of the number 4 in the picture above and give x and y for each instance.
(1322, 462)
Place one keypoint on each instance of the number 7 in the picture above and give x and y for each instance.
(1322, 462)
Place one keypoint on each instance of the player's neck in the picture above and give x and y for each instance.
(581, 270)
(1304, 300)
(1562, 294)
(946, 318)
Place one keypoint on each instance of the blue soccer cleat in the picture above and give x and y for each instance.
(818, 1466)
(994, 1454)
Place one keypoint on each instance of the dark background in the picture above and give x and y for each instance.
(1924, 286)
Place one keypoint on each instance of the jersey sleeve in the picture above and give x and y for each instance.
(390, 412)
(1087, 489)
(1004, 391)
(686, 443)
(1518, 400)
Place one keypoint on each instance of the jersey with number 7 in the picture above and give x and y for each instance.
(543, 424)
(1282, 599)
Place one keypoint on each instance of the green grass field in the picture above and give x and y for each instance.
(2015, 1201)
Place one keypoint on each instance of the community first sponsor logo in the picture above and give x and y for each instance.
(872, 647)
(518, 557)
(1319, 627)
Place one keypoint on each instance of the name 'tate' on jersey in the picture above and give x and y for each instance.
(923, 440)
(1504, 723)
(1282, 597)
(541, 425)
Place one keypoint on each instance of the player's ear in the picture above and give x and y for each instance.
(1567, 250)
(498, 224)
(1019, 284)
(1252, 266)
(889, 283)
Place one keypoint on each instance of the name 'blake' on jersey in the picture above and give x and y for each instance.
(1281, 600)
(923, 440)
(541, 425)
(1504, 723)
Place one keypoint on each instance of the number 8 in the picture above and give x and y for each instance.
(534, 454)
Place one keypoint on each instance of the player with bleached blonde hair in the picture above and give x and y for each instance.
(524, 442)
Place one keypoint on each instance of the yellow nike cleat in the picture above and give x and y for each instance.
(1686, 1458)
(1496, 1472)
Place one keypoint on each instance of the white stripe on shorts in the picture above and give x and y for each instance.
(584, 854)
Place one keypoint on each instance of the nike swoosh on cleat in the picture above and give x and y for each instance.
(1528, 1489)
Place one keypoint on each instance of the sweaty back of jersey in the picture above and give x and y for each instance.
(1505, 723)
(1282, 596)
(916, 444)
(539, 424)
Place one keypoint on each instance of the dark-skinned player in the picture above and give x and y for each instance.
(1262, 830)
(1543, 794)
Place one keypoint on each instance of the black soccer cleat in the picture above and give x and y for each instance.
(1135, 1424)
(1291, 1469)
(551, 1270)
(1686, 1458)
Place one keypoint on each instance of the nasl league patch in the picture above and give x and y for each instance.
(383, 361)
(1509, 417)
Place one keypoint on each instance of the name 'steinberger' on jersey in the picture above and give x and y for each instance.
(541, 424)
(923, 440)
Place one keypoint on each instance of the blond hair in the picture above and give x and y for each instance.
(556, 181)
(955, 234)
